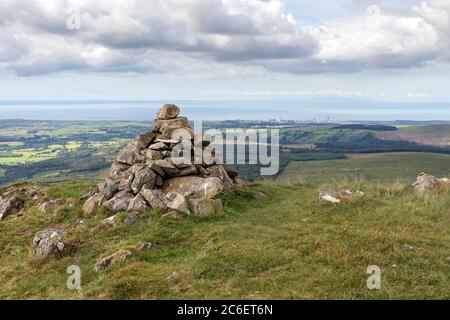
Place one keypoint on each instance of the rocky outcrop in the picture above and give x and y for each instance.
(147, 174)
(338, 196)
(48, 242)
(10, 206)
(426, 183)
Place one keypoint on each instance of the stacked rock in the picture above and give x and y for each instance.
(145, 175)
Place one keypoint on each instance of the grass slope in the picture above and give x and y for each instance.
(288, 245)
(386, 167)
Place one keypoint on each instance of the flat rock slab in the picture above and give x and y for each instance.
(112, 259)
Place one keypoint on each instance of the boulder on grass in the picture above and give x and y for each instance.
(426, 183)
(120, 201)
(48, 242)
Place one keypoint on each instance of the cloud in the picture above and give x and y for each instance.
(209, 35)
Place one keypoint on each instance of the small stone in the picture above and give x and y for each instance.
(260, 195)
(152, 154)
(110, 222)
(116, 257)
(408, 247)
(79, 223)
(145, 246)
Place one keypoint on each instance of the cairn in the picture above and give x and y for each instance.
(145, 174)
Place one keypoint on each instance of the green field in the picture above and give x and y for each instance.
(379, 166)
(285, 246)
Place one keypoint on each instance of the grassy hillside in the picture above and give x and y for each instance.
(286, 245)
(386, 167)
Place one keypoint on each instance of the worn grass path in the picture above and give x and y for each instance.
(285, 246)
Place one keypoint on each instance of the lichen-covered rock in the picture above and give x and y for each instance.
(155, 198)
(168, 111)
(205, 207)
(142, 141)
(138, 204)
(10, 206)
(112, 259)
(48, 242)
(177, 201)
(130, 155)
(120, 201)
(143, 176)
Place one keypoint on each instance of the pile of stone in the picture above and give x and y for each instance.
(145, 175)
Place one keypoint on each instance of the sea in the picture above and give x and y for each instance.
(336, 109)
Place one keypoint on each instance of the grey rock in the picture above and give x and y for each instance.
(194, 187)
(138, 204)
(112, 259)
(10, 206)
(180, 122)
(117, 168)
(187, 171)
(167, 167)
(155, 167)
(142, 141)
(426, 183)
(219, 171)
(130, 155)
(145, 246)
(143, 177)
(155, 198)
(92, 203)
(231, 171)
(336, 196)
(168, 111)
(152, 154)
(119, 202)
(48, 242)
(159, 146)
(111, 188)
(108, 223)
(177, 201)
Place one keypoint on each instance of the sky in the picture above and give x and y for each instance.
(224, 49)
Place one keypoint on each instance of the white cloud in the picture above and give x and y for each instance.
(208, 35)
